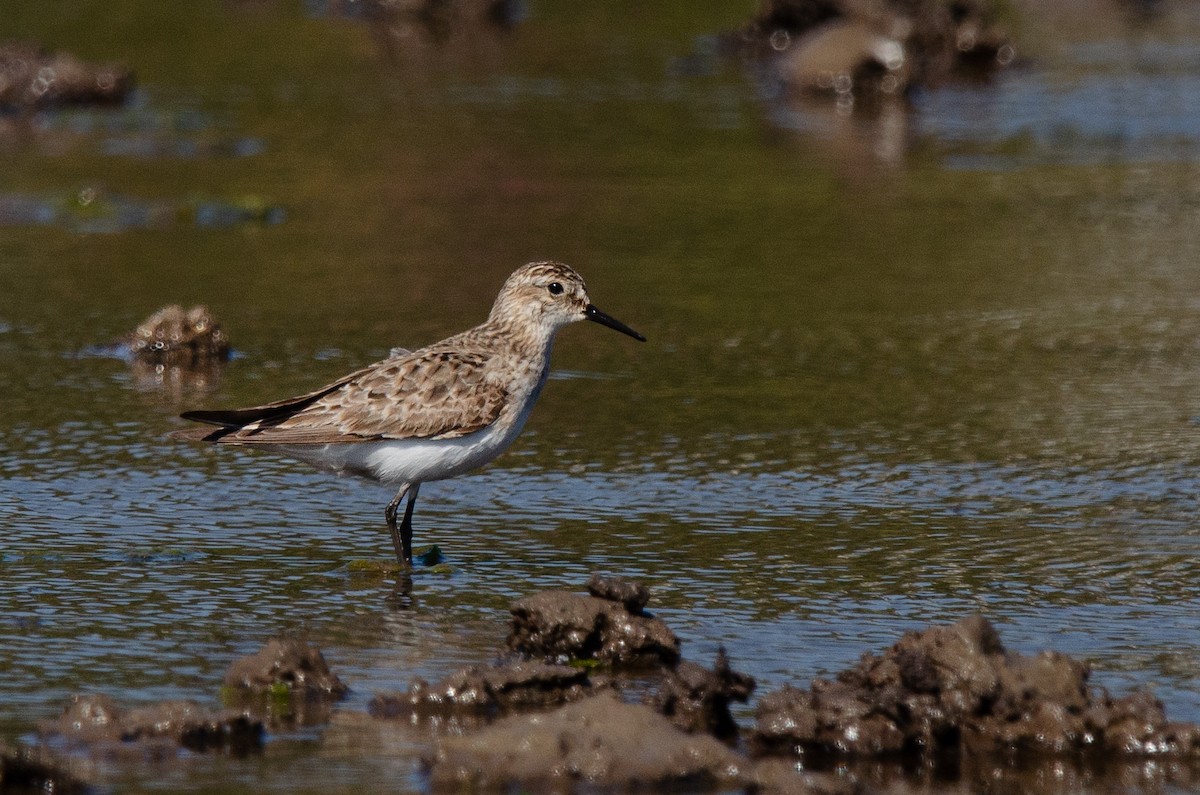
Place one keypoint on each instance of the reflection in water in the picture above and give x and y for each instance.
(177, 381)
(139, 129)
(91, 210)
(845, 74)
(883, 134)
(1067, 117)
(417, 34)
(173, 353)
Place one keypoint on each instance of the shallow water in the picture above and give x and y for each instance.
(923, 366)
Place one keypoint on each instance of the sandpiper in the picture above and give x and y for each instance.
(428, 414)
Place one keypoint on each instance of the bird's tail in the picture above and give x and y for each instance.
(200, 434)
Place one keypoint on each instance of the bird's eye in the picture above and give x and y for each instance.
(555, 288)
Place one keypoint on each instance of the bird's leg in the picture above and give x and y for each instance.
(406, 525)
(402, 536)
(403, 550)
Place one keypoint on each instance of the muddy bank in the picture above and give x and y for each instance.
(943, 709)
(680, 736)
(947, 706)
(285, 684)
(946, 692)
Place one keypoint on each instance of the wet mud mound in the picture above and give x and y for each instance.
(954, 691)
(175, 350)
(601, 741)
(681, 735)
(697, 699)
(287, 681)
(485, 692)
(154, 731)
(286, 663)
(609, 626)
(175, 336)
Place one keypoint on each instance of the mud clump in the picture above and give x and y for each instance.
(32, 78)
(633, 595)
(560, 626)
(954, 690)
(287, 680)
(175, 336)
(155, 730)
(290, 663)
(853, 50)
(599, 741)
(697, 699)
(487, 692)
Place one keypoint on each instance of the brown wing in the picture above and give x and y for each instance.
(430, 394)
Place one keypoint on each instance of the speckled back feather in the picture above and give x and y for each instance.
(444, 391)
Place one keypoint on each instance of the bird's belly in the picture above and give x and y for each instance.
(406, 460)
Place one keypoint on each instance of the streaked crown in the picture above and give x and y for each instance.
(548, 294)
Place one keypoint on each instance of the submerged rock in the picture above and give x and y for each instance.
(97, 721)
(560, 626)
(31, 77)
(600, 741)
(954, 689)
(697, 699)
(487, 691)
(287, 680)
(174, 336)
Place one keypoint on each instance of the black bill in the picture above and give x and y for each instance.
(592, 313)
